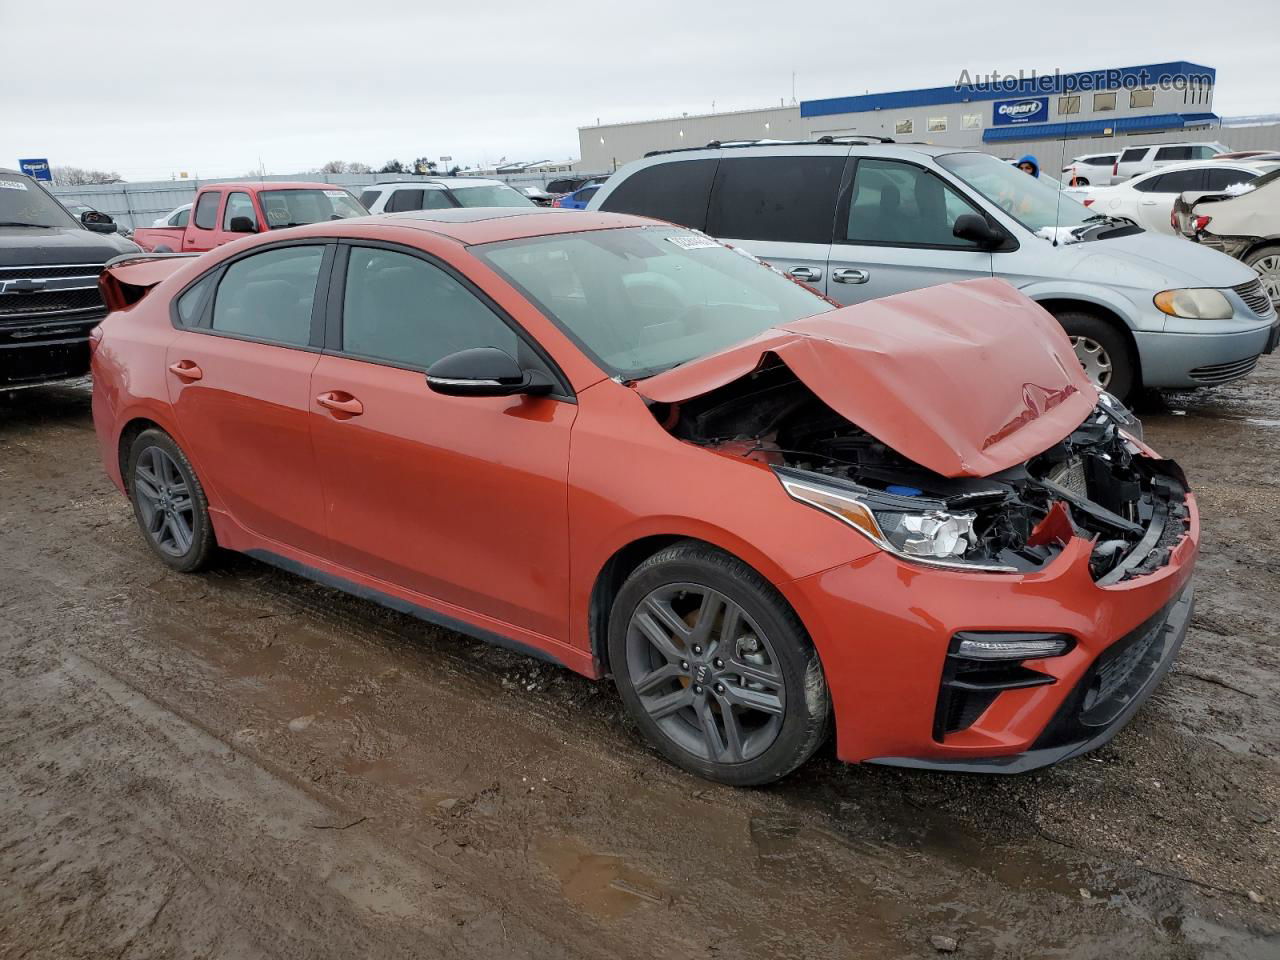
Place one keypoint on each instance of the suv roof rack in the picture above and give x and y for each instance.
(825, 141)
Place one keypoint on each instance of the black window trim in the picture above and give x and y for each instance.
(204, 320)
(1009, 245)
(331, 338)
(217, 211)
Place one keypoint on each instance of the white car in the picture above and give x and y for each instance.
(1151, 156)
(1089, 170)
(1147, 199)
(440, 193)
(177, 217)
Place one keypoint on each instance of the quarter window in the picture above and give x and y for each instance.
(1068, 105)
(191, 303)
(239, 205)
(408, 312)
(269, 296)
(1104, 101)
(677, 191)
(783, 199)
(207, 210)
(902, 205)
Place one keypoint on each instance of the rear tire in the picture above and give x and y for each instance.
(1265, 262)
(169, 502)
(1102, 350)
(715, 667)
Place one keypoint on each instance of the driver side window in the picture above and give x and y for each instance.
(898, 204)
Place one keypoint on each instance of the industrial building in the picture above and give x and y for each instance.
(985, 112)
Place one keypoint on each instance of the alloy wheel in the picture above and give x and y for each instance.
(1095, 360)
(1268, 270)
(705, 673)
(165, 502)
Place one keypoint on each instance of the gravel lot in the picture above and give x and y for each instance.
(242, 764)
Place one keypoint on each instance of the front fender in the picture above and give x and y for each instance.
(1091, 294)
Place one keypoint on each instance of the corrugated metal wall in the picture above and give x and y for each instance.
(140, 204)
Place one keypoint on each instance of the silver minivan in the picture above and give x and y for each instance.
(864, 221)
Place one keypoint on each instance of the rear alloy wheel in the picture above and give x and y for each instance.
(1102, 351)
(715, 667)
(168, 502)
(1266, 264)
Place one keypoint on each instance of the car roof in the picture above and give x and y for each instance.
(441, 181)
(272, 185)
(1209, 162)
(473, 225)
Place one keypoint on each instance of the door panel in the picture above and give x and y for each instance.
(459, 498)
(245, 424)
(893, 233)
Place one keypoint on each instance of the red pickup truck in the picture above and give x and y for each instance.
(226, 211)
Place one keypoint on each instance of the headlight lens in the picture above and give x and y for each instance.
(1195, 304)
(932, 536)
(1119, 413)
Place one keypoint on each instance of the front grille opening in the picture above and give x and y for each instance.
(1254, 296)
(1223, 372)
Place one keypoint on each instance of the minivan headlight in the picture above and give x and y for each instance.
(926, 535)
(1194, 304)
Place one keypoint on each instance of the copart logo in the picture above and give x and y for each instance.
(1021, 109)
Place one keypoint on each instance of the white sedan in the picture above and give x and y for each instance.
(177, 217)
(1147, 199)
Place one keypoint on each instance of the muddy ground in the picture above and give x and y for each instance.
(242, 764)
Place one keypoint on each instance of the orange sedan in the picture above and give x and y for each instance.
(626, 448)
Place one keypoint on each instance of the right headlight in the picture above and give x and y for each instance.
(922, 533)
(1197, 303)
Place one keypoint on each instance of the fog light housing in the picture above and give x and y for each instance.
(1011, 646)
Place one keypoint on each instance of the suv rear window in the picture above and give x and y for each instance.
(401, 200)
(368, 198)
(1173, 153)
(784, 199)
(677, 191)
(1133, 154)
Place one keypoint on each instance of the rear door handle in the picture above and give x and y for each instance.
(807, 274)
(186, 370)
(342, 405)
(850, 275)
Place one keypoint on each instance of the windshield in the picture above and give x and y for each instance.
(490, 195)
(293, 208)
(24, 203)
(641, 300)
(1035, 204)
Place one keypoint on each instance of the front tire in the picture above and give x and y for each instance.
(715, 667)
(169, 502)
(1102, 350)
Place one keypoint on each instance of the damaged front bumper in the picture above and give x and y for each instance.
(895, 701)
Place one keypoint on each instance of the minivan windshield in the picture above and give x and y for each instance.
(294, 207)
(641, 300)
(1033, 203)
(24, 204)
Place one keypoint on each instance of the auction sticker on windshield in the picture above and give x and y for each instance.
(693, 243)
(12, 185)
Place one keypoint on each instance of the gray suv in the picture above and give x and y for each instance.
(861, 221)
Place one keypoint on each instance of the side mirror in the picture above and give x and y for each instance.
(98, 222)
(485, 372)
(975, 229)
(242, 225)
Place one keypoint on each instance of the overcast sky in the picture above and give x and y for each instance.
(151, 89)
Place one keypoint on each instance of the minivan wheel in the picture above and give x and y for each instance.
(715, 667)
(168, 501)
(1101, 350)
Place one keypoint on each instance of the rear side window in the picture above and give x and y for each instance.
(1173, 153)
(1133, 154)
(784, 199)
(191, 303)
(369, 198)
(411, 313)
(1101, 161)
(903, 205)
(1175, 182)
(207, 210)
(1223, 177)
(269, 296)
(677, 191)
(401, 200)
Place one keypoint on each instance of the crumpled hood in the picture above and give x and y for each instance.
(1152, 262)
(965, 379)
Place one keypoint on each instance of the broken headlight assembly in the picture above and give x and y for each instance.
(920, 530)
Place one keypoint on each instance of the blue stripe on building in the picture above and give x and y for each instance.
(1098, 128)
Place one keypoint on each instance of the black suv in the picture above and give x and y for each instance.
(49, 266)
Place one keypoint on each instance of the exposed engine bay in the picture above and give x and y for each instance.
(1095, 484)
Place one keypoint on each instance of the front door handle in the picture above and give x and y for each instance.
(850, 275)
(186, 370)
(342, 405)
(807, 274)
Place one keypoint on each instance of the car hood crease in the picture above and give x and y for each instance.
(937, 374)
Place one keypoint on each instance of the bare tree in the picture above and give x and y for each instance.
(78, 176)
(359, 168)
